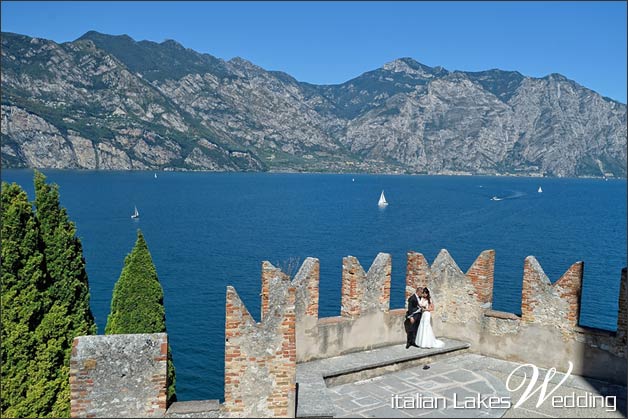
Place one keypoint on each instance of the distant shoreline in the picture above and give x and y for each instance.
(456, 174)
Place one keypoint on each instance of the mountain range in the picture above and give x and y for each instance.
(110, 102)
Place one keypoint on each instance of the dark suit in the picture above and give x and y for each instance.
(411, 329)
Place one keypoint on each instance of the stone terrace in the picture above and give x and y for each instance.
(467, 375)
(314, 377)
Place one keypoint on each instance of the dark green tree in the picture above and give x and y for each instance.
(64, 255)
(23, 280)
(67, 297)
(45, 301)
(137, 302)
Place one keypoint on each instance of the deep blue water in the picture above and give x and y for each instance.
(209, 230)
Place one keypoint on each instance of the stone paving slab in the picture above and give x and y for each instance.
(442, 400)
(314, 399)
(473, 376)
(545, 409)
(506, 367)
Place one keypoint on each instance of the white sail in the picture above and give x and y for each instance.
(136, 214)
(540, 190)
(382, 200)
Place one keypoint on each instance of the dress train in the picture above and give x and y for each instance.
(425, 336)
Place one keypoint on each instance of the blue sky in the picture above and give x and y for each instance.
(332, 42)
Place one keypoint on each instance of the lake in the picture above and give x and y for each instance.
(209, 230)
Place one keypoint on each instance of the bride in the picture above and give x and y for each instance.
(425, 336)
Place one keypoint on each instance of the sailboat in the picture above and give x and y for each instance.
(540, 190)
(382, 200)
(136, 214)
(155, 175)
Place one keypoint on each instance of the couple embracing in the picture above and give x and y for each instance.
(418, 323)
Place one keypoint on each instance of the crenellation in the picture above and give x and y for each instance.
(269, 272)
(260, 358)
(445, 267)
(569, 287)
(364, 292)
(306, 282)
(481, 274)
(417, 272)
(535, 286)
(453, 293)
(557, 304)
(351, 293)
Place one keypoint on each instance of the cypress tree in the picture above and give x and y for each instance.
(67, 297)
(137, 302)
(23, 278)
(45, 302)
(64, 256)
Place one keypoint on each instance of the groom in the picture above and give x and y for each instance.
(413, 317)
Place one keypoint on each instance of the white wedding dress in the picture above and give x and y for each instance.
(425, 336)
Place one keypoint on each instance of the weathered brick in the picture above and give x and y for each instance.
(417, 272)
(363, 292)
(106, 360)
(274, 373)
(541, 300)
(481, 274)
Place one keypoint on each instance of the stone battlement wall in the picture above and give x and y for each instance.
(365, 320)
(463, 311)
(125, 375)
(549, 314)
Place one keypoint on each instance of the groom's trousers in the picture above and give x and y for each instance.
(412, 329)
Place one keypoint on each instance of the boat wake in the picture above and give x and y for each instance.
(515, 195)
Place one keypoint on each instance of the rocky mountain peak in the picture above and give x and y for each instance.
(98, 36)
(157, 61)
(557, 77)
(410, 66)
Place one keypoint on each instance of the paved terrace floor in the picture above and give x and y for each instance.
(454, 378)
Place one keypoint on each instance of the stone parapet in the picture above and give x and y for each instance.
(119, 375)
(365, 292)
(463, 311)
(260, 358)
(557, 304)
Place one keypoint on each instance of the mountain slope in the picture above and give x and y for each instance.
(109, 102)
(76, 106)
